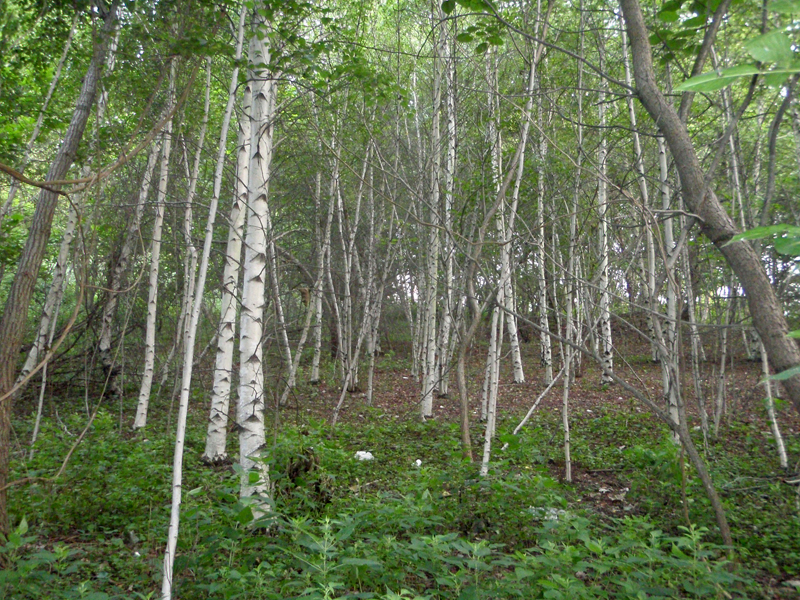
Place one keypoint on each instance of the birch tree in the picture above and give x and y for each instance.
(251, 401)
(602, 232)
(429, 370)
(216, 437)
(194, 317)
(155, 253)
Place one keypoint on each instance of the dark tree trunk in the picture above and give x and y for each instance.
(716, 224)
(15, 314)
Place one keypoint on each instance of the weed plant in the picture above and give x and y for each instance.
(388, 528)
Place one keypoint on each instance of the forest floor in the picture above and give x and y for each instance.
(603, 490)
(629, 481)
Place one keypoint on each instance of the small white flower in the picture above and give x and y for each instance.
(362, 455)
(418, 462)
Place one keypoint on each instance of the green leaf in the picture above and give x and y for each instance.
(658, 36)
(794, 334)
(776, 79)
(694, 22)
(668, 16)
(482, 48)
(522, 573)
(785, 6)
(774, 46)
(245, 515)
(475, 5)
(715, 80)
(448, 6)
(464, 38)
(784, 375)
(758, 233)
(593, 546)
(788, 246)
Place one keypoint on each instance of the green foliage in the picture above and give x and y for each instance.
(386, 528)
(773, 51)
(12, 238)
(108, 481)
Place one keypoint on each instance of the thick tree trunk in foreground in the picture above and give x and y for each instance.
(716, 224)
(250, 408)
(12, 325)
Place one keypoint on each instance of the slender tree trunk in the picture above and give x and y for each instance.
(448, 247)
(491, 412)
(334, 195)
(571, 274)
(604, 250)
(216, 438)
(430, 371)
(323, 270)
(773, 420)
(188, 348)
(670, 340)
(12, 324)
(155, 255)
(541, 260)
(720, 408)
(316, 296)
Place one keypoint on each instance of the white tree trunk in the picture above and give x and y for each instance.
(448, 249)
(334, 195)
(120, 267)
(316, 295)
(188, 358)
(429, 367)
(602, 202)
(670, 392)
(216, 437)
(541, 261)
(155, 254)
(323, 269)
(571, 277)
(491, 404)
(251, 404)
(720, 401)
(773, 420)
